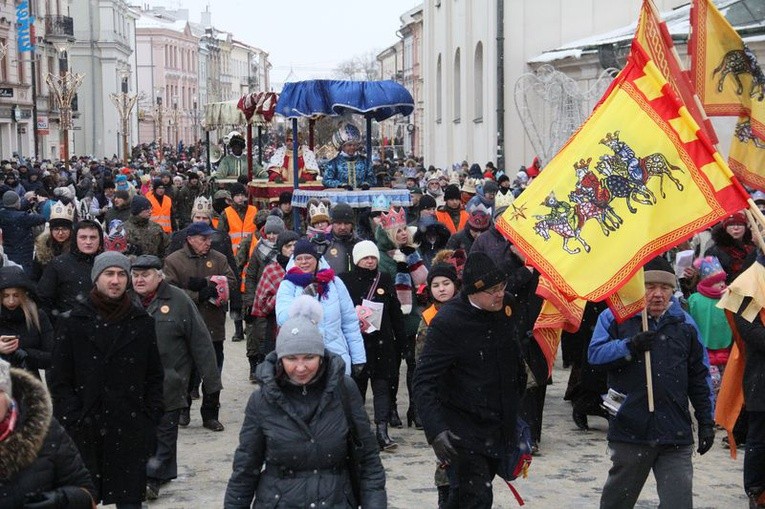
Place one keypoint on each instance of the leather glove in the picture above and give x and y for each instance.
(347, 187)
(407, 250)
(357, 369)
(706, 439)
(197, 284)
(365, 187)
(208, 292)
(46, 500)
(443, 446)
(402, 267)
(642, 341)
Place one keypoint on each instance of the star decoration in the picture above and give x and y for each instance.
(518, 212)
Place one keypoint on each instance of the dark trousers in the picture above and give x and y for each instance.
(163, 465)
(471, 479)
(380, 395)
(754, 460)
(532, 407)
(408, 356)
(211, 401)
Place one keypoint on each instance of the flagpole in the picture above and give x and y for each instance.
(754, 214)
(648, 370)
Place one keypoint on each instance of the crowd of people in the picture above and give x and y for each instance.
(117, 283)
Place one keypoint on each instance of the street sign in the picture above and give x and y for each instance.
(42, 126)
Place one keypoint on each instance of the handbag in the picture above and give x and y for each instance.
(516, 460)
(354, 447)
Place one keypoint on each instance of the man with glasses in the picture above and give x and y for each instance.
(469, 381)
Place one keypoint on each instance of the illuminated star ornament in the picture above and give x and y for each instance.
(518, 212)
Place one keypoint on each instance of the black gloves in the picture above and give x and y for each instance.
(443, 446)
(208, 292)
(197, 284)
(407, 250)
(347, 187)
(365, 187)
(402, 267)
(357, 369)
(706, 439)
(53, 499)
(248, 318)
(642, 341)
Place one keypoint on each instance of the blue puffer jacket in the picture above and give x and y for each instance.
(18, 235)
(680, 369)
(340, 325)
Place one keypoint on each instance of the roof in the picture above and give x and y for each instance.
(744, 15)
(151, 22)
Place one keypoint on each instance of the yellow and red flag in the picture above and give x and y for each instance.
(637, 178)
(654, 37)
(725, 72)
(746, 157)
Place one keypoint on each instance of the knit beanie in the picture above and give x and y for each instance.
(274, 224)
(659, 271)
(11, 200)
(109, 259)
(363, 249)
(480, 273)
(5, 378)
(300, 333)
(303, 246)
(490, 187)
(452, 192)
(734, 219)
(139, 204)
(427, 202)
(285, 197)
(341, 213)
(285, 238)
(442, 269)
(238, 188)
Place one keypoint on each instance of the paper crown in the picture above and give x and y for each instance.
(202, 206)
(435, 176)
(503, 200)
(470, 185)
(380, 203)
(393, 219)
(709, 266)
(61, 211)
(454, 178)
(346, 132)
(318, 211)
(479, 208)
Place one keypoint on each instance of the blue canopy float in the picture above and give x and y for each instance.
(313, 99)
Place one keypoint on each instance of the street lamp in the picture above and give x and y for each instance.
(158, 111)
(124, 103)
(64, 88)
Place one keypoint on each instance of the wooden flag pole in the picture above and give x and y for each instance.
(648, 370)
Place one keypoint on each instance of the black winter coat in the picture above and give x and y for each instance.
(65, 283)
(463, 239)
(300, 435)
(106, 383)
(339, 253)
(432, 239)
(35, 346)
(470, 376)
(39, 456)
(496, 246)
(753, 335)
(19, 235)
(381, 346)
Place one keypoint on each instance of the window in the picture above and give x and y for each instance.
(4, 63)
(457, 86)
(439, 90)
(478, 83)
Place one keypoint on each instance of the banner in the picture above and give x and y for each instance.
(25, 27)
(747, 155)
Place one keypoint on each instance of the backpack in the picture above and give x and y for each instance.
(517, 460)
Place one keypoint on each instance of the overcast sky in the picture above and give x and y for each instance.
(305, 37)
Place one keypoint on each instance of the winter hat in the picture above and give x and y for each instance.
(222, 194)
(734, 219)
(363, 249)
(274, 224)
(156, 183)
(300, 333)
(427, 202)
(285, 238)
(238, 188)
(442, 269)
(139, 204)
(481, 273)
(122, 195)
(147, 262)
(452, 192)
(5, 378)
(285, 197)
(11, 200)
(202, 228)
(710, 273)
(303, 246)
(490, 187)
(342, 213)
(109, 259)
(659, 271)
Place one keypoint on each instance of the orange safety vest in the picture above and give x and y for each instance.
(160, 214)
(247, 263)
(446, 219)
(215, 222)
(237, 228)
(429, 314)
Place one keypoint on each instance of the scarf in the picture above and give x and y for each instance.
(704, 287)
(282, 260)
(9, 423)
(111, 310)
(147, 299)
(302, 279)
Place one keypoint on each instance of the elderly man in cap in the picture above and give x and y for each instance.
(106, 382)
(197, 269)
(184, 342)
(469, 381)
(661, 440)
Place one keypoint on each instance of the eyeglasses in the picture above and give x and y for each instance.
(496, 290)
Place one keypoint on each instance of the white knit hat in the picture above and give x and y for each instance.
(363, 249)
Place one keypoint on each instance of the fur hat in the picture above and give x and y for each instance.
(5, 378)
(109, 259)
(658, 270)
(481, 273)
(300, 333)
(61, 215)
(363, 249)
(274, 224)
(11, 200)
(139, 204)
(202, 206)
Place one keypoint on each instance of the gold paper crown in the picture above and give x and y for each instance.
(202, 206)
(61, 211)
(318, 210)
(393, 219)
(503, 200)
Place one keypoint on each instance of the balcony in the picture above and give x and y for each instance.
(58, 29)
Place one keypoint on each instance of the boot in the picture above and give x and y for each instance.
(394, 420)
(383, 439)
(254, 361)
(185, 418)
(238, 331)
(580, 419)
(413, 417)
(443, 496)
